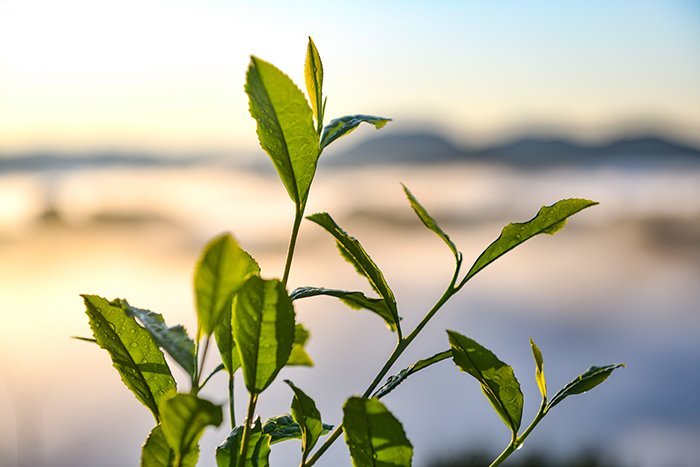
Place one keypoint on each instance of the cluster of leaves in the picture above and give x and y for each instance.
(253, 320)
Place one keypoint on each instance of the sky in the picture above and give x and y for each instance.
(168, 75)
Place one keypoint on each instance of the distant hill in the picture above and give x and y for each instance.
(400, 148)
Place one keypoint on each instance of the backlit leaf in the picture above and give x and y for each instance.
(585, 382)
(497, 379)
(539, 369)
(285, 127)
(221, 270)
(355, 300)
(223, 333)
(134, 352)
(263, 328)
(299, 356)
(374, 436)
(308, 418)
(393, 381)
(549, 220)
(313, 74)
(174, 340)
(344, 125)
(283, 428)
(184, 417)
(257, 454)
(352, 251)
(157, 453)
(429, 222)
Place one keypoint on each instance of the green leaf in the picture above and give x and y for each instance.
(355, 300)
(263, 328)
(429, 222)
(313, 74)
(549, 220)
(497, 379)
(539, 369)
(285, 127)
(157, 453)
(134, 352)
(257, 454)
(299, 356)
(394, 381)
(223, 333)
(184, 417)
(308, 418)
(373, 435)
(342, 126)
(585, 382)
(221, 270)
(174, 340)
(283, 428)
(352, 251)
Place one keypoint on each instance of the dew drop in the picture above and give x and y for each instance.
(520, 446)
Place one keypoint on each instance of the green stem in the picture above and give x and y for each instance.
(400, 348)
(298, 217)
(198, 372)
(518, 441)
(247, 427)
(231, 407)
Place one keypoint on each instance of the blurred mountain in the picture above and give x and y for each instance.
(400, 148)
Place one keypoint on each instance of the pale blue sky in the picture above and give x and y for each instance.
(168, 74)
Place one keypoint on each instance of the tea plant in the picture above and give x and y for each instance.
(252, 319)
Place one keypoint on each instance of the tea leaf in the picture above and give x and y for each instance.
(184, 417)
(174, 340)
(134, 352)
(257, 454)
(344, 125)
(221, 270)
(539, 369)
(373, 435)
(299, 356)
(352, 251)
(355, 300)
(223, 332)
(283, 428)
(394, 381)
(285, 127)
(313, 74)
(429, 222)
(497, 379)
(549, 220)
(157, 453)
(585, 382)
(263, 328)
(308, 418)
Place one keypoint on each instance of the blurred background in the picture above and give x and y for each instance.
(126, 143)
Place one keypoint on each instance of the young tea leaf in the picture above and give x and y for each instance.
(223, 332)
(184, 417)
(283, 428)
(299, 356)
(344, 125)
(549, 220)
(355, 300)
(429, 222)
(134, 352)
(313, 74)
(394, 381)
(352, 251)
(157, 453)
(585, 382)
(308, 418)
(285, 127)
(257, 454)
(263, 328)
(498, 381)
(221, 270)
(174, 340)
(374, 436)
(539, 369)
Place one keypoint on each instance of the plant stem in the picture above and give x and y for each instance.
(518, 441)
(247, 427)
(198, 372)
(298, 216)
(231, 407)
